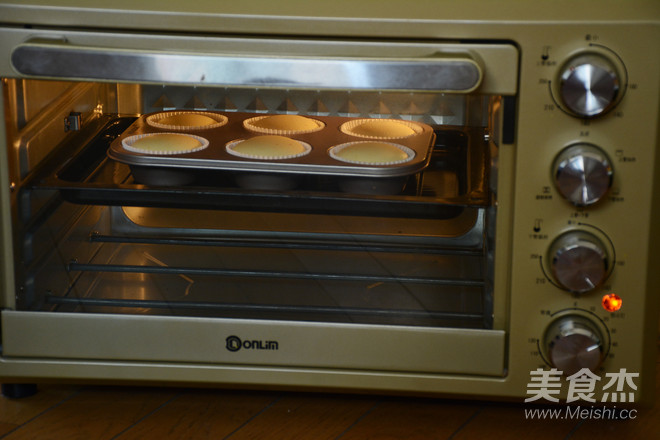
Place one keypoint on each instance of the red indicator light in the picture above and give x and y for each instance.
(612, 302)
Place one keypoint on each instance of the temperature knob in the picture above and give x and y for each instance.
(583, 174)
(589, 84)
(574, 342)
(579, 261)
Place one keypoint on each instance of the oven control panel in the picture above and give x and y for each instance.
(586, 158)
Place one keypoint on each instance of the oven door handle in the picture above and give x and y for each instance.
(445, 72)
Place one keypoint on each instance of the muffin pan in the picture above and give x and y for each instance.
(317, 161)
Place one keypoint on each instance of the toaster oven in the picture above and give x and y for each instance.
(514, 257)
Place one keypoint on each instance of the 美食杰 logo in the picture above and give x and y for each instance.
(547, 384)
(585, 388)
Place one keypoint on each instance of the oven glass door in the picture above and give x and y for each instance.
(243, 264)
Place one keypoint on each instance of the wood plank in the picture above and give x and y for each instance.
(306, 416)
(201, 414)
(19, 411)
(412, 419)
(6, 427)
(497, 421)
(94, 413)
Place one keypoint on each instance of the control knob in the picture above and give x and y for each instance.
(589, 84)
(579, 261)
(583, 174)
(574, 342)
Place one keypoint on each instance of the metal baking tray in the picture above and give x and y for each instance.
(318, 161)
(81, 171)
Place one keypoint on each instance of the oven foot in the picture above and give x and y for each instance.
(18, 390)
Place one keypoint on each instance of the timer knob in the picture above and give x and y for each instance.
(579, 261)
(574, 342)
(583, 174)
(589, 84)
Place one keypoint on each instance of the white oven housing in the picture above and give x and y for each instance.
(503, 254)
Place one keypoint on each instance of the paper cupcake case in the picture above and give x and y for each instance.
(129, 144)
(252, 124)
(230, 147)
(381, 127)
(316, 159)
(155, 120)
(335, 153)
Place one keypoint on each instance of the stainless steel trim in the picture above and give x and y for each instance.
(375, 348)
(60, 60)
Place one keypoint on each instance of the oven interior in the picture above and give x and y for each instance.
(89, 238)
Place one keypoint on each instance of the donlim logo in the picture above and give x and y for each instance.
(234, 343)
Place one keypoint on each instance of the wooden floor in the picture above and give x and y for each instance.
(99, 412)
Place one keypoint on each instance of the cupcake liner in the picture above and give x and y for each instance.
(128, 142)
(349, 127)
(230, 149)
(333, 152)
(249, 125)
(153, 120)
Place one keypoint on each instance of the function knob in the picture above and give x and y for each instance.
(579, 261)
(574, 342)
(589, 84)
(583, 174)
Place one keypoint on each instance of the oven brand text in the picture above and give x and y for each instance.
(234, 343)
